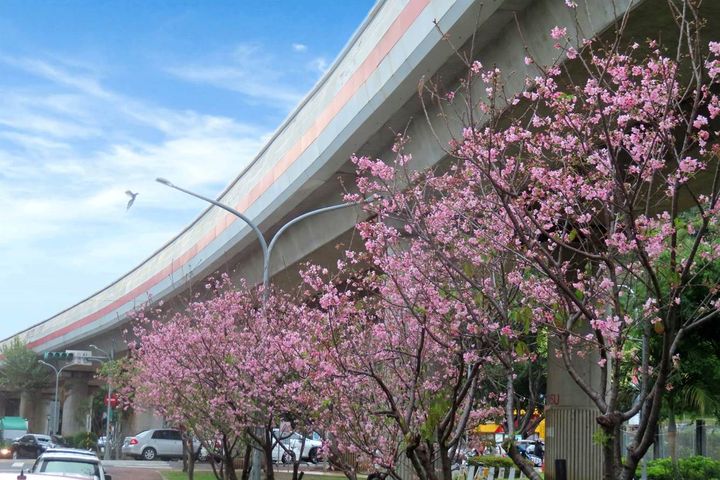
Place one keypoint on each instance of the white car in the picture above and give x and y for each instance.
(70, 462)
(31, 476)
(293, 441)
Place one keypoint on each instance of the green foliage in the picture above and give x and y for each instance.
(84, 440)
(21, 371)
(601, 438)
(491, 461)
(691, 468)
(437, 411)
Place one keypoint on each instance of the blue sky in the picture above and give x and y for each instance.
(97, 97)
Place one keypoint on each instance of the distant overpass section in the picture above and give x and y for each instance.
(370, 92)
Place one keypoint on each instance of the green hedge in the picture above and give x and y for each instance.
(691, 468)
(84, 440)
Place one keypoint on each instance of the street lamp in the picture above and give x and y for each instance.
(267, 249)
(108, 356)
(56, 409)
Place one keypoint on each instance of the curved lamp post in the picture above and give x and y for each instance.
(267, 249)
(56, 407)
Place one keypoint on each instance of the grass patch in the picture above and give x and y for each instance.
(202, 475)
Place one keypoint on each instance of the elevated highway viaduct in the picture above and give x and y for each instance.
(370, 92)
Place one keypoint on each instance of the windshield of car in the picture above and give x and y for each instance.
(69, 467)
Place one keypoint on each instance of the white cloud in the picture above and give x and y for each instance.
(69, 148)
(247, 70)
(57, 74)
(70, 145)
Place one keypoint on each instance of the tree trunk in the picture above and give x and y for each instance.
(418, 456)
(185, 453)
(426, 458)
(608, 450)
(296, 461)
(191, 467)
(445, 462)
(267, 453)
(246, 462)
(337, 460)
(229, 466)
(633, 459)
(217, 468)
(188, 456)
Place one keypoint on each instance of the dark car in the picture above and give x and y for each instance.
(31, 445)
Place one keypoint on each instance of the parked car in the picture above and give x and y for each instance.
(31, 445)
(77, 451)
(31, 476)
(293, 442)
(532, 447)
(215, 452)
(70, 462)
(156, 443)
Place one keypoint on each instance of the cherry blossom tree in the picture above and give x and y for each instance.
(185, 368)
(223, 367)
(439, 300)
(560, 210)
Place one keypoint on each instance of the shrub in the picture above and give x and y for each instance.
(491, 461)
(85, 440)
(691, 468)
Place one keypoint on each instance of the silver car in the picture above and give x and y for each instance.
(70, 462)
(157, 443)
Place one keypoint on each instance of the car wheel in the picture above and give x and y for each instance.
(202, 455)
(286, 458)
(149, 453)
(313, 456)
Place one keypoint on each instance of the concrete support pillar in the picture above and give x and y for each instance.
(142, 420)
(74, 407)
(44, 415)
(28, 409)
(571, 421)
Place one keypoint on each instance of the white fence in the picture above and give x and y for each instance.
(491, 473)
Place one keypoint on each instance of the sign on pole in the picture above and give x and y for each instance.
(80, 357)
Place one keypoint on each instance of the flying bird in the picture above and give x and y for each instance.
(132, 198)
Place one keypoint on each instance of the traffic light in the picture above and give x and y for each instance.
(58, 356)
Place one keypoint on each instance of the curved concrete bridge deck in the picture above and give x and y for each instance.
(371, 88)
